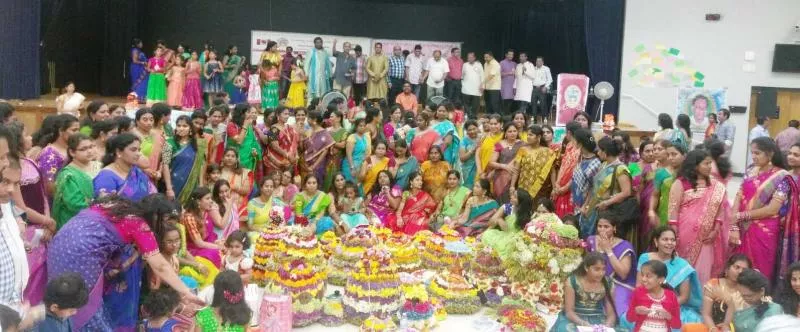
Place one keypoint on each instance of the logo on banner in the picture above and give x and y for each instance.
(571, 96)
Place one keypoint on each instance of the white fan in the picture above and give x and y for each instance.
(331, 96)
(437, 100)
(602, 91)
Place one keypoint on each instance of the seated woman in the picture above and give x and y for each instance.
(415, 209)
(262, 209)
(680, 275)
(508, 220)
(587, 297)
(311, 207)
(789, 296)
(619, 256)
(721, 296)
(452, 204)
(383, 200)
(240, 178)
(753, 289)
(478, 210)
(202, 241)
(434, 173)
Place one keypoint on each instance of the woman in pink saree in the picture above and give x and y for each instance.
(698, 210)
(766, 203)
(503, 165)
(383, 199)
(643, 182)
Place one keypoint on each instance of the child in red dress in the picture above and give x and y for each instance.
(654, 306)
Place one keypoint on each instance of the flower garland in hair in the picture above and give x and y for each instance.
(233, 298)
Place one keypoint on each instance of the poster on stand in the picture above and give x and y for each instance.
(572, 92)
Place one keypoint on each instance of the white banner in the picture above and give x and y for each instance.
(300, 42)
(427, 46)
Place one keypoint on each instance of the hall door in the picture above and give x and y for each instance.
(789, 105)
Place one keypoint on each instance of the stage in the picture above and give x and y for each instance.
(33, 111)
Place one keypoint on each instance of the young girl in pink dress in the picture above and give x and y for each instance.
(177, 81)
(192, 96)
(254, 90)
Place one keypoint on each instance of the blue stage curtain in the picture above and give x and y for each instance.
(19, 49)
(605, 20)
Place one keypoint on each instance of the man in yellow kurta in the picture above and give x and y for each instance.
(377, 69)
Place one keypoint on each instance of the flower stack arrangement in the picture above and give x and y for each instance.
(329, 242)
(404, 253)
(383, 233)
(542, 258)
(302, 273)
(520, 318)
(377, 324)
(332, 311)
(266, 247)
(417, 311)
(456, 293)
(488, 275)
(373, 287)
(347, 254)
(431, 247)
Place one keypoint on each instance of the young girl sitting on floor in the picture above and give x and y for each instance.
(228, 311)
(194, 272)
(352, 209)
(654, 306)
(235, 260)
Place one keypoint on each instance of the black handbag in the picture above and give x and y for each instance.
(626, 212)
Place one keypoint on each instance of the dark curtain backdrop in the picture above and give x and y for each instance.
(552, 29)
(19, 49)
(88, 42)
(605, 21)
(227, 22)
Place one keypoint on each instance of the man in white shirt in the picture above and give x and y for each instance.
(436, 70)
(760, 130)
(414, 65)
(471, 81)
(542, 79)
(523, 84)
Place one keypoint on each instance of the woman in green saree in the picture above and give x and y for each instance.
(74, 188)
(188, 162)
(753, 287)
(478, 210)
(311, 207)
(231, 63)
(241, 135)
(507, 221)
(453, 202)
(662, 183)
(339, 134)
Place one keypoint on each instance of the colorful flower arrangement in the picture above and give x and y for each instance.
(541, 259)
(332, 311)
(417, 311)
(377, 324)
(520, 318)
(329, 242)
(346, 255)
(457, 295)
(404, 253)
(265, 249)
(373, 286)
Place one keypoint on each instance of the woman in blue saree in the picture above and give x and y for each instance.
(122, 177)
(404, 165)
(681, 276)
(584, 173)
(358, 147)
(447, 134)
(96, 237)
(138, 73)
(188, 159)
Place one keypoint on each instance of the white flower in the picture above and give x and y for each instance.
(553, 265)
(525, 257)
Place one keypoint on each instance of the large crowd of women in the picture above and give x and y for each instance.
(174, 203)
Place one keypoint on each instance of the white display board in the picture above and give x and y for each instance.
(427, 46)
(301, 43)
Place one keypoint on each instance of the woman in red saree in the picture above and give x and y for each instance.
(415, 210)
(281, 140)
(422, 138)
(562, 196)
(698, 210)
(766, 203)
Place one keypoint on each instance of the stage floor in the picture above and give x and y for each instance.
(49, 101)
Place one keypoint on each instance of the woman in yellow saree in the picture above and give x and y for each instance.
(487, 143)
(372, 166)
(434, 174)
(534, 164)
